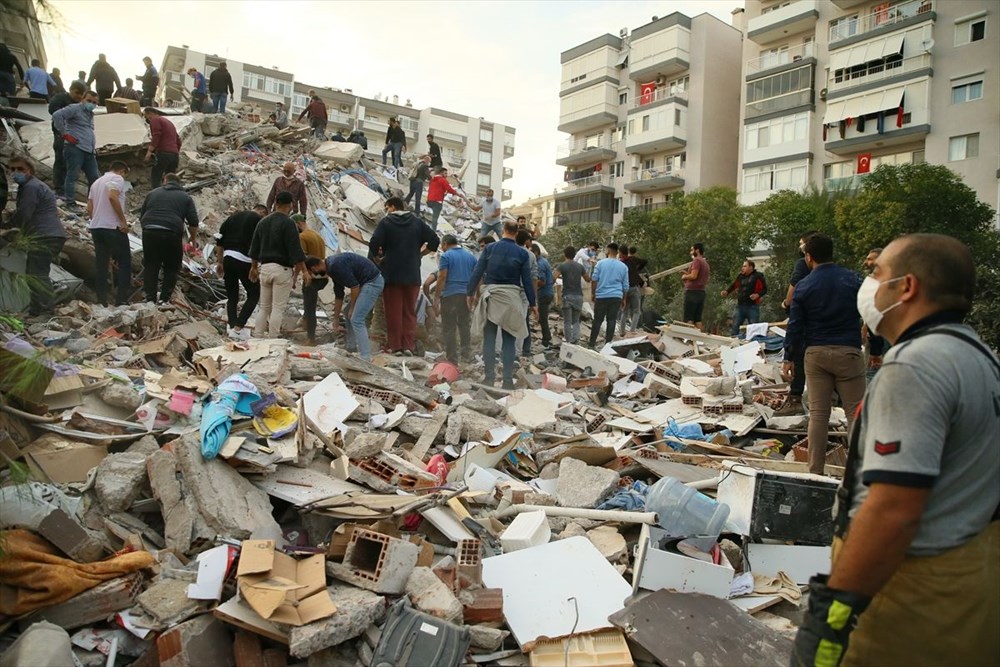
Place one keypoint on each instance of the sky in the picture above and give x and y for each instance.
(498, 60)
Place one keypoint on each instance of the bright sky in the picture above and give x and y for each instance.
(498, 60)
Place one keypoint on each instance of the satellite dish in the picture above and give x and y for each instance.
(927, 45)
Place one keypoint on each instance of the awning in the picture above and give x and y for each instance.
(867, 52)
(834, 112)
(838, 59)
(882, 101)
(863, 105)
(622, 57)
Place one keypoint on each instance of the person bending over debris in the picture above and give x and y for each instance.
(276, 261)
(36, 216)
(571, 272)
(199, 89)
(313, 246)
(351, 271)
(508, 294)
(916, 552)
(288, 183)
(162, 216)
(109, 229)
(397, 244)
(608, 287)
(232, 255)
(164, 147)
(75, 124)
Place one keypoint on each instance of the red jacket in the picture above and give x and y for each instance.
(163, 135)
(438, 187)
(316, 109)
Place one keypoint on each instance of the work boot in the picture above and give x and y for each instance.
(792, 407)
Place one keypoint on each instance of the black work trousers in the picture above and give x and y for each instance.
(605, 311)
(455, 317)
(111, 245)
(161, 249)
(310, 301)
(236, 272)
(37, 264)
(163, 164)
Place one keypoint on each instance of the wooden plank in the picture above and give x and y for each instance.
(670, 272)
(429, 434)
(246, 650)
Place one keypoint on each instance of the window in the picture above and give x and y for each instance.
(485, 157)
(777, 5)
(776, 177)
(253, 81)
(617, 169)
(483, 179)
(277, 86)
(844, 27)
(648, 163)
(631, 127)
(677, 117)
(778, 85)
(678, 86)
(645, 123)
(618, 205)
(785, 129)
(973, 30)
(623, 98)
(967, 92)
(578, 78)
(647, 201)
(963, 147)
(593, 140)
(486, 135)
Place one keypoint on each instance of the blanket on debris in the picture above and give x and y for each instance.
(33, 575)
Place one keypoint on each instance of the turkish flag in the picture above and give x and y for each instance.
(864, 163)
(646, 92)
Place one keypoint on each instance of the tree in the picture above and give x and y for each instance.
(713, 217)
(577, 234)
(905, 199)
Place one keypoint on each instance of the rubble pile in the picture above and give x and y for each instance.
(173, 497)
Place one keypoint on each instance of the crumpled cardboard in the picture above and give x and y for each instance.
(280, 588)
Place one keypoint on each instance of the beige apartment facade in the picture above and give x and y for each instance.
(650, 113)
(832, 89)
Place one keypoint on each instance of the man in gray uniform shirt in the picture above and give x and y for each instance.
(916, 560)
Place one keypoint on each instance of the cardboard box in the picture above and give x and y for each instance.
(122, 105)
(280, 588)
(656, 569)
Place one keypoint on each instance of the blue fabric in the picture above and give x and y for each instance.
(77, 122)
(459, 263)
(611, 276)
(504, 263)
(347, 270)
(357, 331)
(632, 499)
(200, 83)
(744, 312)
(38, 80)
(490, 353)
(545, 275)
(824, 311)
(234, 395)
(691, 431)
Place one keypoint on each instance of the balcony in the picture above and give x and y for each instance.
(455, 160)
(659, 95)
(844, 183)
(506, 195)
(447, 137)
(791, 100)
(647, 180)
(797, 17)
(847, 139)
(876, 71)
(646, 208)
(660, 134)
(848, 4)
(587, 118)
(338, 119)
(508, 150)
(508, 173)
(880, 19)
(664, 53)
(579, 152)
(595, 182)
(772, 60)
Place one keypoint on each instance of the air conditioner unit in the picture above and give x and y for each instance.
(822, 94)
(345, 108)
(660, 80)
(636, 162)
(623, 33)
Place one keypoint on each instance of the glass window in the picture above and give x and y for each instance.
(485, 135)
(963, 147)
(967, 92)
(677, 117)
(967, 32)
(618, 205)
(622, 99)
(485, 157)
(483, 179)
(645, 123)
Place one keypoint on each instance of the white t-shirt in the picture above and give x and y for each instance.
(491, 210)
(104, 216)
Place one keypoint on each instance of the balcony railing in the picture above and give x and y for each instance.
(575, 146)
(779, 103)
(879, 18)
(508, 151)
(877, 71)
(587, 181)
(338, 117)
(505, 195)
(508, 173)
(790, 55)
(657, 95)
(646, 208)
(653, 174)
(448, 136)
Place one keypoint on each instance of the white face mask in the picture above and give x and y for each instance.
(870, 313)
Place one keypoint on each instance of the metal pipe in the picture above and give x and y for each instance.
(578, 513)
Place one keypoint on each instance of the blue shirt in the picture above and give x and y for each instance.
(503, 263)
(36, 212)
(824, 310)
(38, 80)
(611, 276)
(77, 122)
(349, 269)
(545, 275)
(459, 263)
(200, 83)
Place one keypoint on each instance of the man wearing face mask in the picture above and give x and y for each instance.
(916, 557)
(825, 330)
(288, 183)
(75, 124)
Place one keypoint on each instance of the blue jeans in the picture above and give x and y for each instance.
(435, 207)
(357, 331)
(77, 159)
(396, 148)
(745, 311)
(495, 227)
(572, 308)
(219, 102)
(416, 192)
(490, 354)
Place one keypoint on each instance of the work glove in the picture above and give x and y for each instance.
(69, 138)
(832, 615)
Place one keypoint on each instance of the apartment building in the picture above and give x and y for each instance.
(540, 213)
(483, 144)
(649, 113)
(834, 88)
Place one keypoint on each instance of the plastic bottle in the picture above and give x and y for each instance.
(685, 512)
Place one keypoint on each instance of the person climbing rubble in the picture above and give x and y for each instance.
(288, 182)
(232, 256)
(165, 212)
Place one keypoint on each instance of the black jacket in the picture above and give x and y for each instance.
(57, 102)
(104, 75)
(747, 285)
(398, 238)
(435, 152)
(220, 82)
(168, 208)
(276, 241)
(237, 231)
(395, 134)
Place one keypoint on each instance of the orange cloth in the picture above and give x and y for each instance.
(312, 244)
(33, 574)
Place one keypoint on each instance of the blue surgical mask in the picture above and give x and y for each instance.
(89, 106)
(20, 177)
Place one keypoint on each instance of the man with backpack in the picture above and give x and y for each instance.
(750, 288)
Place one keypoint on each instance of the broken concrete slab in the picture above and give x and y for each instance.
(167, 602)
(356, 610)
(430, 595)
(367, 445)
(487, 638)
(91, 606)
(376, 562)
(121, 478)
(584, 486)
(340, 153)
(609, 542)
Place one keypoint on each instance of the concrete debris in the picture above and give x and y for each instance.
(141, 429)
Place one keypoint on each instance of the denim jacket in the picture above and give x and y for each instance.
(503, 263)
